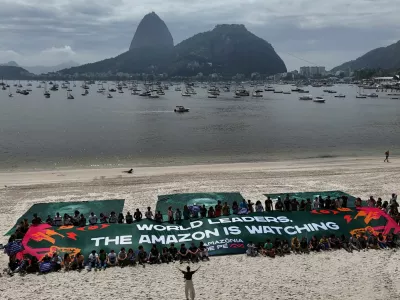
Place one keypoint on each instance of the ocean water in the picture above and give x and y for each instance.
(127, 130)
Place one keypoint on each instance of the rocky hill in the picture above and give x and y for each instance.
(227, 49)
(379, 58)
(12, 72)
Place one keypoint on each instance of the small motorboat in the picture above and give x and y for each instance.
(361, 96)
(278, 92)
(372, 95)
(109, 96)
(286, 92)
(185, 94)
(181, 109)
(319, 100)
(212, 96)
(306, 97)
(269, 89)
(340, 96)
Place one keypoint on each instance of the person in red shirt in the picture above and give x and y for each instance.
(218, 209)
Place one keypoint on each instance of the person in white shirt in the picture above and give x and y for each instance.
(251, 249)
(57, 220)
(92, 219)
(316, 203)
(93, 260)
(112, 258)
(148, 214)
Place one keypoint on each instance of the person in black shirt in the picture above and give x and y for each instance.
(137, 215)
(328, 202)
(141, 256)
(194, 253)
(189, 288)
(82, 221)
(173, 251)
(183, 253)
(154, 255)
(36, 220)
(268, 205)
(203, 211)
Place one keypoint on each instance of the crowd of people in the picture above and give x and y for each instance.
(352, 243)
(195, 253)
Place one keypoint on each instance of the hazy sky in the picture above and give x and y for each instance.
(325, 32)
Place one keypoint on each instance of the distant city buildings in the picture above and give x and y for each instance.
(312, 71)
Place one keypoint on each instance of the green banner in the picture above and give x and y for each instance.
(223, 235)
(84, 207)
(208, 199)
(311, 195)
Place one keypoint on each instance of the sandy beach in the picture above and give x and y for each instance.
(339, 275)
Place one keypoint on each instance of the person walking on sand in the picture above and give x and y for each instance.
(387, 156)
(189, 288)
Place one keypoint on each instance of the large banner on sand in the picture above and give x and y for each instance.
(84, 207)
(222, 236)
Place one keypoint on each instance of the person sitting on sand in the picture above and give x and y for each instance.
(279, 204)
(269, 249)
(324, 243)
(345, 243)
(33, 266)
(67, 262)
(78, 262)
(194, 252)
(244, 204)
(113, 218)
(354, 243)
(379, 203)
(137, 215)
(121, 218)
(390, 241)
(210, 213)
(295, 245)
(154, 255)
(170, 215)
(102, 259)
(93, 261)
(381, 241)
(203, 211)
(285, 246)
(142, 256)
(372, 242)
(183, 254)
(56, 261)
(226, 209)
(67, 220)
(92, 219)
(57, 220)
(82, 221)
(36, 220)
(128, 218)
(178, 216)
(103, 218)
(304, 245)
(131, 257)
(49, 220)
(235, 208)
(251, 249)
(122, 258)
(363, 241)
(259, 207)
(173, 251)
(112, 259)
(186, 212)
(165, 256)
(148, 214)
(278, 247)
(203, 251)
(158, 217)
(218, 209)
(269, 205)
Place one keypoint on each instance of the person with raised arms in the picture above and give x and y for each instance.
(189, 288)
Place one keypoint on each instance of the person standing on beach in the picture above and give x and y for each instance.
(387, 156)
(189, 288)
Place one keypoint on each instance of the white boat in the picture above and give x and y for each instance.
(236, 96)
(361, 96)
(181, 109)
(212, 96)
(278, 92)
(178, 89)
(306, 97)
(256, 94)
(319, 100)
(340, 96)
(372, 95)
(269, 89)
(185, 94)
(154, 95)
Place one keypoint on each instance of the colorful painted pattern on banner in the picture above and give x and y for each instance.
(222, 236)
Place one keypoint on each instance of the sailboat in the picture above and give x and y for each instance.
(69, 95)
(109, 96)
(9, 92)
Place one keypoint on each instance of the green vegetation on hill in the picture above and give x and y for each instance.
(12, 72)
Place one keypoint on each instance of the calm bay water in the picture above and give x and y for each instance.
(92, 131)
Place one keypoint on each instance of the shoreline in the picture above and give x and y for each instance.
(63, 175)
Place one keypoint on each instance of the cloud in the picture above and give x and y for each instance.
(97, 29)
